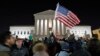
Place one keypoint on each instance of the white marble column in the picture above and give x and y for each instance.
(62, 28)
(41, 33)
(58, 26)
(45, 26)
(37, 27)
(54, 25)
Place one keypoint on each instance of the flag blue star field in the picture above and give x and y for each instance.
(68, 18)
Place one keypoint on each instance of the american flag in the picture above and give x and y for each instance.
(65, 16)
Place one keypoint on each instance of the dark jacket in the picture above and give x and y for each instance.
(81, 52)
(4, 50)
(23, 51)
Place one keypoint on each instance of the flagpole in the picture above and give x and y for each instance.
(56, 10)
(55, 13)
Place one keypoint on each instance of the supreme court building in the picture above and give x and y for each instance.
(45, 23)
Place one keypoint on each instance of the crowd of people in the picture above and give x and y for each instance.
(11, 45)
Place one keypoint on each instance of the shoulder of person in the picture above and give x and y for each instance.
(4, 53)
(4, 48)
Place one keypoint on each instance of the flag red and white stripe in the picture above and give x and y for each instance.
(65, 16)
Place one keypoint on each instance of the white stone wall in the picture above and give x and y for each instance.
(22, 31)
(81, 30)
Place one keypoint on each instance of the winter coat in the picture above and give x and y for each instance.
(23, 51)
(4, 50)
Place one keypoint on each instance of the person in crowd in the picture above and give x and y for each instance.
(40, 49)
(7, 40)
(55, 49)
(94, 46)
(26, 43)
(45, 39)
(82, 42)
(52, 38)
(19, 49)
(72, 43)
(64, 49)
(80, 51)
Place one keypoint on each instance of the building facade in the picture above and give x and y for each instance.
(22, 31)
(45, 22)
(97, 31)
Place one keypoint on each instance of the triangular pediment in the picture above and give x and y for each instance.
(47, 12)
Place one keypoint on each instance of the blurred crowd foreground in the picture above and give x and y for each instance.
(11, 45)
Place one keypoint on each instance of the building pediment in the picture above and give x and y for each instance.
(47, 12)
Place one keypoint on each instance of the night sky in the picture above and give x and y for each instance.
(20, 12)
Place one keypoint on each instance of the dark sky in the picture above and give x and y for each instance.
(20, 12)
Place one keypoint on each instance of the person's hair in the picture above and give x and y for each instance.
(39, 47)
(4, 36)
